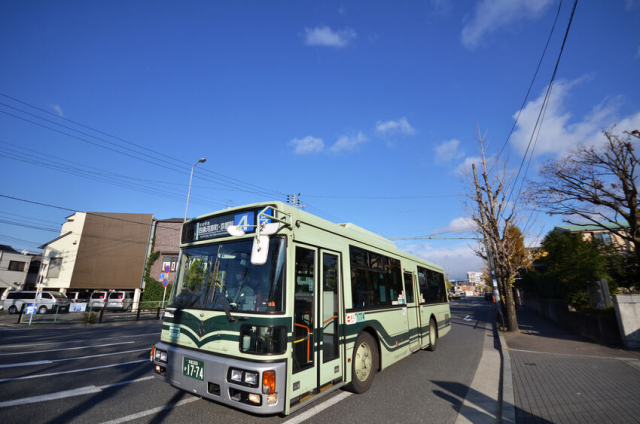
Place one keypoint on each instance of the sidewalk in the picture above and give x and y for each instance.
(559, 377)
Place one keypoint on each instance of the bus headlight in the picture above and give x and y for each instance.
(251, 378)
(236, 376)
(244, 377)
(160, 355)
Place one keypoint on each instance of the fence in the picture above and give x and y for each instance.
(83, 313)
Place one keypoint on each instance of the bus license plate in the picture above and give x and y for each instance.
(193, 368)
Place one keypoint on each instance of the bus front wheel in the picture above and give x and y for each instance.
(433, 335)
(364, 363)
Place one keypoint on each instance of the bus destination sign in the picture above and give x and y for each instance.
(216, 226)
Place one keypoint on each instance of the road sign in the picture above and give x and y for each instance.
(165, 282)
(167, 268)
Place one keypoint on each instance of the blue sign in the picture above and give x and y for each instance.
(165, 282)
(167, 268)
(30, 309)
(244, 220)
(264, 219)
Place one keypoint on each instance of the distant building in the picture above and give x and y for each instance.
(476, 280)
(595, 232)
(167, 235)
(17, 269)
(98, 251)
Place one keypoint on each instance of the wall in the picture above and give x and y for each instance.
(167, 233)
(112, 251)
(600, 329)
(628, 315)
(12, 279)
(65, 247)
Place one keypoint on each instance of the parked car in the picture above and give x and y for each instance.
(78, 296)
(488, 296)
(120, 301)
(98, 300)
(48, 301)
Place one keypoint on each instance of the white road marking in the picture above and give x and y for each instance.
(67, 393)
(151, 411)
(319, 408)
(467, 318)
(28, 364)
(6, 380)
(60, 350)
(79, 341)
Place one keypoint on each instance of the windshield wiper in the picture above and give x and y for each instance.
(225, 306)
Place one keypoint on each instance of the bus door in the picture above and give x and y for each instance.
(316, 350)
(329, 353)
(413, 312)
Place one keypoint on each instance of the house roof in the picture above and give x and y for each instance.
(55, 239)
(7, 248)
(592, 227)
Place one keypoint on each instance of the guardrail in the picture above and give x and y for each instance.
(85, 313)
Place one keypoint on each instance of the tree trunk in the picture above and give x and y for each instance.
(512, 318)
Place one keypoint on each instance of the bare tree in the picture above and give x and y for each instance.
(596, 184)
(497, 219)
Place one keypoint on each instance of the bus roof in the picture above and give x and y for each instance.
(347, 230)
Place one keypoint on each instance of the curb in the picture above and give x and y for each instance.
(507, 406)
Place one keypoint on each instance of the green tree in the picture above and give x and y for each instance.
(195, 277)
(569, 265)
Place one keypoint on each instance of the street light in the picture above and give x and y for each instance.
(202, 160)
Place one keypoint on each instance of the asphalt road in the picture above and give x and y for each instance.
(98, 374)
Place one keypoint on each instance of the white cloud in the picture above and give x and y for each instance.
(560, 131)
(325, 36)
(456, 260)
(449, 150)
(349, 143)
(401, 126)
(492, 15)
(57, 110)
(307, 145)
(457, 225)
(464, 168)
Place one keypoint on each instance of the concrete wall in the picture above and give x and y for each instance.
(66, 247)
(12, 279)
(628, 315)
(600, 329)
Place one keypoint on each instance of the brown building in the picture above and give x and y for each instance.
(167, 235)
(98, 251)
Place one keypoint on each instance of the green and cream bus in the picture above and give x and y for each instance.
(274, 308)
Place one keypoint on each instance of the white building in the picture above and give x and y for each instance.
(14, 267)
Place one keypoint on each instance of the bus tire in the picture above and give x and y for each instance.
(364, 363)
(433, 335)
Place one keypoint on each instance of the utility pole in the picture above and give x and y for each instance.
(487, 245)
(294, 200)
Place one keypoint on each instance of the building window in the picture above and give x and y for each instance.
(602, 238)
(16, 266)
(55, 264)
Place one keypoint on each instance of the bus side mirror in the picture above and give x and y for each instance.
(260, 250)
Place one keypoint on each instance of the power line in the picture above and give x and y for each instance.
(526, 97)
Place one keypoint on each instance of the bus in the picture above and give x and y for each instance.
(274, 308)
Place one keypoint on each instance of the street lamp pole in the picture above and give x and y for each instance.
(202, 160)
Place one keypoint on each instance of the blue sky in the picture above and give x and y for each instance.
(369, 110)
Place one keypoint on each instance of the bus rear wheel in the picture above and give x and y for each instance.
(433, 335)
(364, 363)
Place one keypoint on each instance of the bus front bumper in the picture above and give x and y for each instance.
(234, 382)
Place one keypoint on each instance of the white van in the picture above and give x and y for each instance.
(120, 301)
(48, 301)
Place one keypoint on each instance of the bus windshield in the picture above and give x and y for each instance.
(223, 272)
